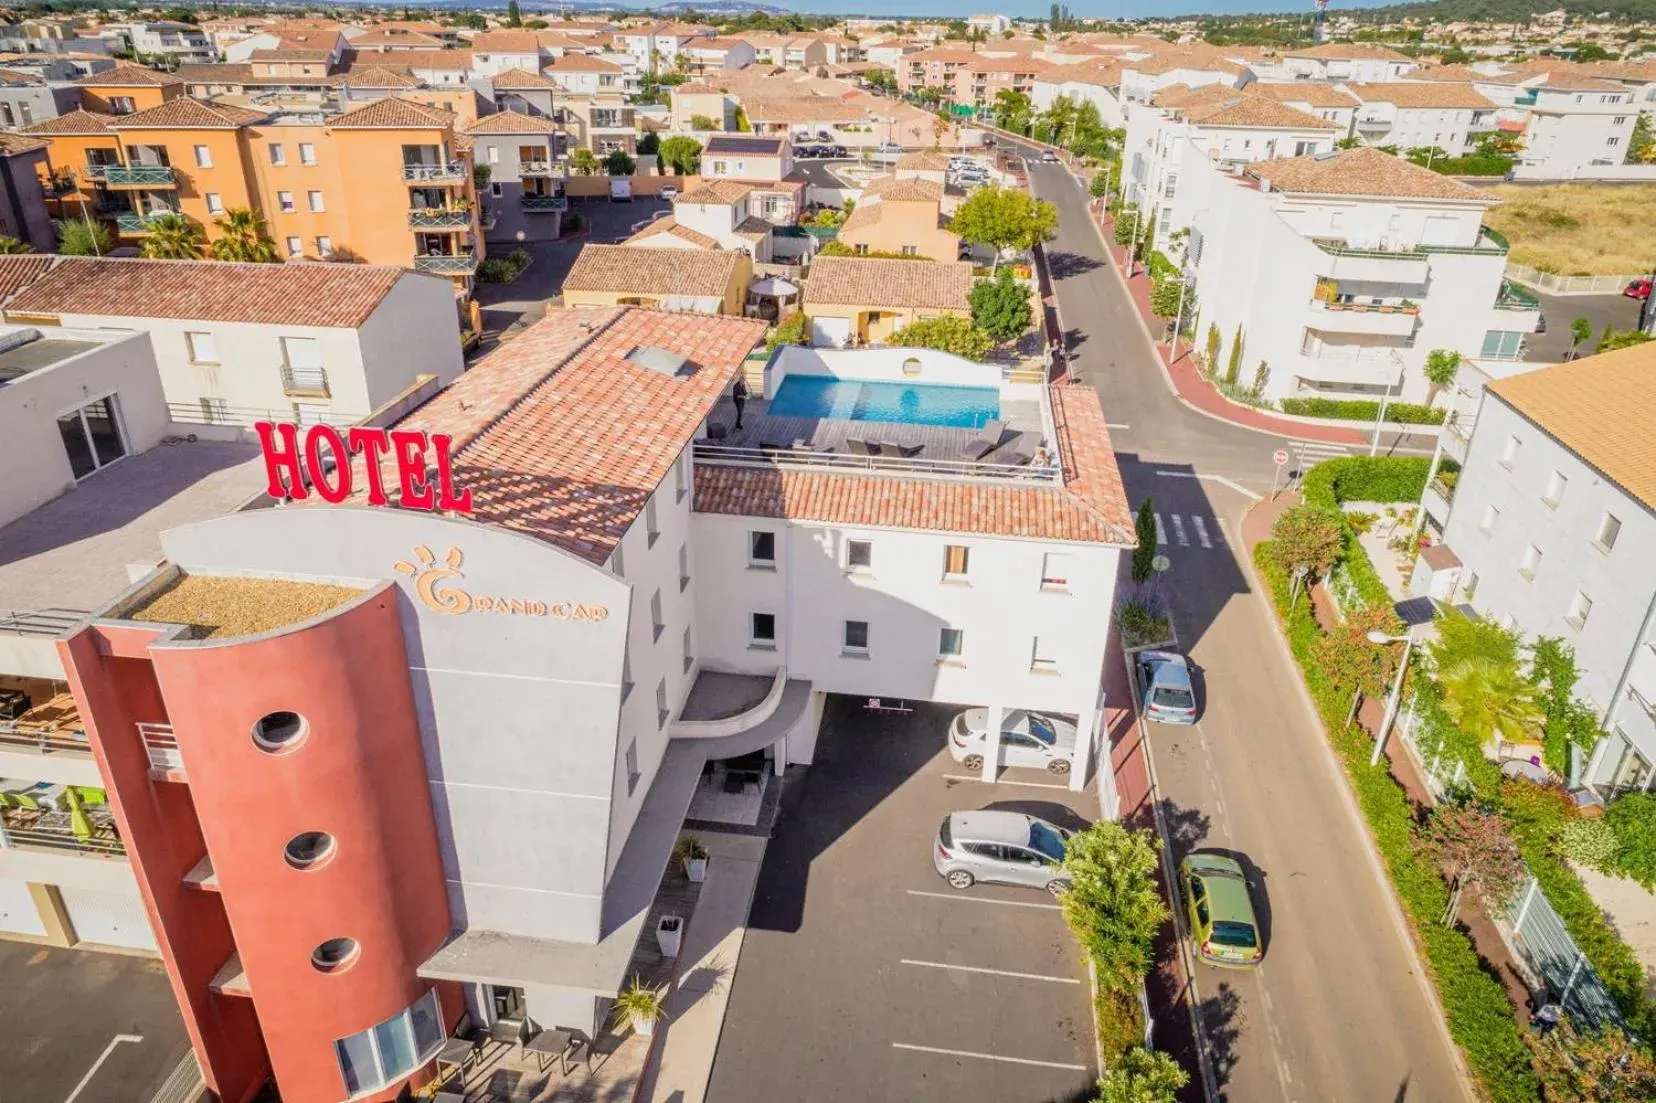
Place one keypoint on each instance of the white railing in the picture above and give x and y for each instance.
(45, 738)
(62, 840)
(741, 722)
(733, 456)
(161, 745)
(41, 622)
(194, 413)
(1570, 285)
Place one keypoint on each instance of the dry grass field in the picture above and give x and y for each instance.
(1579, 229)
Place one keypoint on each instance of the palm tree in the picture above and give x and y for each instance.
(1484, 695)
(1441, 367)
(173, 237)
(10, 246)
(243, 237)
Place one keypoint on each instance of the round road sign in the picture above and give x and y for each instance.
(1280, 456)
(1160, 563)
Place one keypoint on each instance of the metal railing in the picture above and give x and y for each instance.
(1513, 297)
(304, 380)
(736, 456)
(534, 168)
(1441, 769)
(130, 222)
(140, 176)
(193, 413)
(540, 204)
(452, 172)
(1543, 942)
(1366, 308)
(102, 846)
(161, 745)
(95, 172)
(1496, 244)
(43, 737)
(449, 264)
(41, 622)
(421, 218)
(1570, 285)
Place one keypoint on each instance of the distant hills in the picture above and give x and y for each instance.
(1506, 11)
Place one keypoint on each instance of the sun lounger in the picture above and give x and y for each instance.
(987, 439)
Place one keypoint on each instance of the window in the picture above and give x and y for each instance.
(951, 643)
(859, 555)
(656, 623)
(324, 245)
(1530, 561)
(280, 731)
(1041, 657)
(204, 157)
(1170, 185)
(278, 155)
(295, 246)
(493, 155)
(215, 203)
(856, 637)
(762, 549)
(334, 955)
(1502, 344)
(684, 567)
(284, 200)
(316, 203)
(308, 849)
(626, 676)
(1055, 570)
(122, 105)
(1556, 483)
(652, 527)
(1580, 606)
(618, 564)
(1613, 141)
(689, 655)
(214, 411)
(1509, 453)
(307, 153)
(662, 711)
(496, 190)
(955, 560)
(92, 436)
(1609, 528)
(1336, 219)
(911, 250)
(720, 168)
(1491, 515)
(1619, 120)
(762, 629)
(1469, 588)
(203, 349)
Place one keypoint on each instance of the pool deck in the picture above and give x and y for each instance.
(935, 442)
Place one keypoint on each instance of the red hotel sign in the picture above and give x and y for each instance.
(415, 455)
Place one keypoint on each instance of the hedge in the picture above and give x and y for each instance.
(1120, 1018)
(1359, 409)
(1364, 479)
(1479, 1013)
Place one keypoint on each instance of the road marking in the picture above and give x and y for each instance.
(1161, 530)
(1178, 531)
(1220, 479)
(990, 972)
(1116, 425)
(1004, 781)
(1201, 530)
(990, 1057)
(96, 1065)
(986, 900)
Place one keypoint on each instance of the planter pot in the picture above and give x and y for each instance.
(669, 935)
(642, 1026)
(695, 869)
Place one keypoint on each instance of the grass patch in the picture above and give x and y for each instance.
(1579, 229)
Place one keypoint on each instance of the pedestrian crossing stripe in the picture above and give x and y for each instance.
(1201, 532)
(1207, 538)
(1179, 531)
(1161, 530)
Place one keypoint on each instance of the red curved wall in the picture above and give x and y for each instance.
(359, 775)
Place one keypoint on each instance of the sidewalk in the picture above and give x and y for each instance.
(1187, 380)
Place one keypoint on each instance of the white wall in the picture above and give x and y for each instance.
(1566, 139)
(880, 365)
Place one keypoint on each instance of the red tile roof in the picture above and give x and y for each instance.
(78, 121)
(128, 76)
(392, 113)
(188, 114)
(22, 269)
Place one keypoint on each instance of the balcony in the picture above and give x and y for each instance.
(56, 821)
(96, 172)
(309, 382)
(534, 168)
(1514, 297)
(140, 176)
(131, 222)
(166, 762)
(447, 264)
(1343, 262)
(455, 172)
(432, 219)
(49, 728)
(1457, 436)
(1363, 318)
(542, 204)
(1439, 493)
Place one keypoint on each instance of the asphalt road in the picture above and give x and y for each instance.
(1337, 1010)
(1617, 311)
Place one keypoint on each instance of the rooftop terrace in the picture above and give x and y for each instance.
(219, 607)
(33, 355)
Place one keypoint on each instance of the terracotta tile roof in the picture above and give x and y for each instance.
(1215, 105)
(442, 60)
(189, 114)
(129, 76)
(557, 40)
(335, 295)
(395, 36)
(513, 122)
(923, 161)
(1314, 93)
(802, 109)
(697, 88)
(1362, 171)
(915, 284)
(1354, 51)
(72, 122)
(1601, 408)
(215, 74)
(753, 227)
(722, 192)
(21, 270)
(13, 77)
(13, 144)
(289, 54)
(510, 79)
(904, 188)
(378, 76)
(506, 42)
(392, 113)
(580, 63)
(1090, 506)
(638, 269)
(1571, 82)
(560, 437)
(1644, 70)
(1454, 74)
(1438, 94)
(671, 227)
(1102, 74)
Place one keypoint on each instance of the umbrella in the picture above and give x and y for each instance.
(774, 285)
(79, 822)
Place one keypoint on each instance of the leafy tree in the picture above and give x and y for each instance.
(82, 238)
(1262, 375)
(480, 176)
(1114, 907)
(1348, 143)
(1142, 1076)
(179, 15)
(1099, 188)
(1441, 367)
(536, 24)
(1214, 340)
(1056, 123)
(946, 333)
(649, 143)
(740, 121)
(1005, 218)
(1591, 1068)
(1604, 338)
(1235, 364)
(1306, 541)
(795, 329)
(10, 246)
(583, 161)
(1641, 145)
(1483, 697)
(1013, 110)
(881, 80)
(1000, 306)
(1633, 818)
(704, 122)
(514, 16)
(1474, 847)
(1580, 330)
(1164, 295)
(243, 236)
(1623, 338)
(1351, 661)
(619, 163)
(173, 237)
(1126, 225)
(1566, 720)
(682, 154)
(1144, 526)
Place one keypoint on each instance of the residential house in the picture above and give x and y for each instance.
(1096, 82)
(695, 98)
(126, 89)
(724, 214)
(297, 34)
(176, 43)
(524, 156)
(527, 93)
(718, 54)
(1572, 126)
(1450, 117)
(699, 281)
(584, 75)
(902, 216)
(1192, 67)
(602, 124)
(983, 78)
(1325, 101)
(938, 67)
(864, 300)
(1361, 62)
(390, 39)
(26, 98)
(497, 51)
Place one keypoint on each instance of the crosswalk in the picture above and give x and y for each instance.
(1193, 530)
(1309, 452)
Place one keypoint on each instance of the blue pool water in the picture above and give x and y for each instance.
(904, 403)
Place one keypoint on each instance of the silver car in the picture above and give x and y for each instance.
(1007, 848)
(1030, 739)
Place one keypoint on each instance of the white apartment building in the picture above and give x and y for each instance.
(1096, 83)
(1142, 79)
(990, 24)
(585, 75)
(1450, 116)
(1553, 524)
(1572, 126)
(1325, 101)
(1342, 271)
(179, 43)
(497, 51)
(1339, 61)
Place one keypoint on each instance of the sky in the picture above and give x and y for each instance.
(1113, 9)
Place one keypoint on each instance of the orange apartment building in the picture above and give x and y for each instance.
(383, 183)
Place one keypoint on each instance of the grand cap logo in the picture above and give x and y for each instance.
(437, 585)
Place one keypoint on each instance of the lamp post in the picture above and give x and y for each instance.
(1407, 640)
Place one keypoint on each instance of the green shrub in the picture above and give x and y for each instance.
(1332, 483)
(946, 333)
(1120, 1018)
(1359, 409)
(1142, 623)
(1633, 819)
(1590, 843)
(495, 270)
(795, 329)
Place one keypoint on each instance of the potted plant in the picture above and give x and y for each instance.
(639, 1005)
(1409, 306)
(693, 855)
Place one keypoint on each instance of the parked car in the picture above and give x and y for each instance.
(1638, 289)
(1165, 679)
(1007, 848)
(840, 151)
(1048, 157)
(1027, 739)
(824, 136)
(1540, 323)
(1222, 922)
(642, 223)
(669, 192)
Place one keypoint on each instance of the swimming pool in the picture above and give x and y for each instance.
(904, 403)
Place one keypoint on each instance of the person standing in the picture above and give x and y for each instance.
(739, 396)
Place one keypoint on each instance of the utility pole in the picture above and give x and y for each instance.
(1178, 315)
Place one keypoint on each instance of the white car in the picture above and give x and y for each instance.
(669, 192)
(1031, 739)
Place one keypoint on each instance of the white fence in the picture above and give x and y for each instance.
(1539, 936)
(1569, 285)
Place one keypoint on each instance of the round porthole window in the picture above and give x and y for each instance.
(911, 366)
(309, 849)
(334, 954)
(278, 732)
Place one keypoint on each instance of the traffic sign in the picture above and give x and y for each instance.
(1280, 456)
(1160, 563)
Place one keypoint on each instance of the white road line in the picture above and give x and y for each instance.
(1201, 530)
(1116, 425)
(990, 1057)
(986, 900)
(1004, 781)
(990, 972)
(96, 1065)
(1220, 479)
(1178, 531)
(1161, 530)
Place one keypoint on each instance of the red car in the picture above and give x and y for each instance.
(1638, 289)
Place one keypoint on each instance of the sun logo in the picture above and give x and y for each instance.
(430, 575)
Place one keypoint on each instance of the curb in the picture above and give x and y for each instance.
(1422, 970)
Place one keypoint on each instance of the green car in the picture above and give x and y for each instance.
(1222, 922)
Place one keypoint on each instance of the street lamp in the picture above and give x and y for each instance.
(1407, 640)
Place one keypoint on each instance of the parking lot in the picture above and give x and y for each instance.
(864, 976)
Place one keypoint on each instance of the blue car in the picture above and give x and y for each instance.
(1168, 696)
